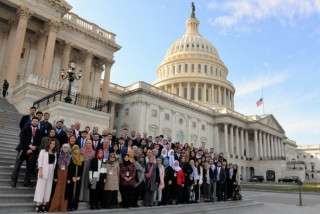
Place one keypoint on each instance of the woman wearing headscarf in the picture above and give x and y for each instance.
(74, 178)
(207, 178)
(187, 170)
(127, 176)
(97, 179)
(178, 181)
(59, 201)
(152, 182)
(171, 157)
(158, 193)
(111, 187)
(194, 179)
(88, 154)
(139, 183)
(46, 164)
(163, 153)
(168, 177)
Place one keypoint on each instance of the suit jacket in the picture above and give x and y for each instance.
(62, 137)
(46, 128)
(43, 162)
(177, 158)
(25, 139)
(23, 121)
(74, 133)
(79, 142)
(151, 146)
(99, 146)
(222, 178)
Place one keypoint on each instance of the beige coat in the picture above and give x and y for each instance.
(112, 177)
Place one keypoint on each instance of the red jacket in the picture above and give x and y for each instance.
(180, 177)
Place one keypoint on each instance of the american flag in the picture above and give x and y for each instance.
(259, 102)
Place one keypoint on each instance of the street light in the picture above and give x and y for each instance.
(71, 75)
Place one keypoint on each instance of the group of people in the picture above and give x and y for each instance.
(107, 170)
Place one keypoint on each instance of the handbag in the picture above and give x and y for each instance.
(119, 197)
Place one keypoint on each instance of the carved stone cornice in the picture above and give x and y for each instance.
(24, 12)
(53, 26)
(41, 34)
(98, 65)
(108, 63)
(60, 5)
(87, 54)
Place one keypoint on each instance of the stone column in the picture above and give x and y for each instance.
(67, 47)
(216, 140)
(53, 28)
(180, 90)
(256, 155)
(172, 88)
(86, 73)
(225, 97)
(283, 150)
(229, 98)
(204, 92)
(260, 145)
(188, 91)
(272, 147)
(106, 80)
(269, 146)
(219, 95)
(247, 144)
(237, 142)
(196, 95)
(231, 149)
(41, 45)
(226, 149)
(13, 58)
(112, 112)
(10, 43)
(279, 148)
(264, 145)
(166, 87)
(212, 93)
(232, 101)
(276, 147)
(242, 143)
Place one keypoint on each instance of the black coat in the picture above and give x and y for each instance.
(211, 175)
(23, 121)
(62, 137)
(222, 175)
(25, 139)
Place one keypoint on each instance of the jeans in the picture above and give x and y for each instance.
(159, 194)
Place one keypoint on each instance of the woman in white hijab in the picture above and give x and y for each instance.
(171, 157)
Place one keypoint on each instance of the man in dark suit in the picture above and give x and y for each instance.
(28, 117)
(150, 144)
(220, 179)
(5, 88)
(178, 155)
(61, 135)
(30, 138)
(47, 126)
(83, 139)
(96, 143)
(76, 131)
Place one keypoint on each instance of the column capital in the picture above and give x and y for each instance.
(67, 46)
(98, 65)
(41, 34)
(53, 26)
(12, 22)
(24, 13)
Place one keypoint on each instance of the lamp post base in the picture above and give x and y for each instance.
(68, 99)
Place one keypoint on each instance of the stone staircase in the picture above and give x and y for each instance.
(20, 199)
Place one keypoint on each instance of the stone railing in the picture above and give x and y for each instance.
(309, 147)
(235, 114)
(45, 82)
(75, 19)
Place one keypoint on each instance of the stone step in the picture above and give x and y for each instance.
(8, 149)
(18, 207)
(9, 168)
(9, 132)
(19, 190)
(7, 182)
(7, 198)
(7, 175)
(7, 162)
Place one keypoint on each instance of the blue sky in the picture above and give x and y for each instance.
(275, 43)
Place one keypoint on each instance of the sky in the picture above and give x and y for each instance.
(274, 44)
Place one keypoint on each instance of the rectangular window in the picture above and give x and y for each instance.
(178, 91)
(167, 116)
(186, 68)
(179, 68)
(154, 113)
(117, 114)
(174, 69)
(216, 71)
(199, 68)
(194, 125)
(211, 70)
(126, 112)
(203, 127)
(192, 68)
(185, 95)
(205, 68)
(192, 93)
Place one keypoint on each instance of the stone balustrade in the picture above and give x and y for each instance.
(75, 19)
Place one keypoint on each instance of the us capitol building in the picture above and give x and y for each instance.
(191, 99)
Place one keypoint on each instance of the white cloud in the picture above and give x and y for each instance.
(247, 86)
(255, 10)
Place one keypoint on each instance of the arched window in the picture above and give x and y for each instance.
(180, 136)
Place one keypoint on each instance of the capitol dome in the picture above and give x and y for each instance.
(192, 69)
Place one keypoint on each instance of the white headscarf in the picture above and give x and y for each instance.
(176, 168)
(165, 154)
(171, 157)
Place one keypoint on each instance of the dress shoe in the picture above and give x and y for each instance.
(13, 184)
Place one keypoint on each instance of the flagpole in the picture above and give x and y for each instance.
(262, 99)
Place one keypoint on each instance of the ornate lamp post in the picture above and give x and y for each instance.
(71, 75)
